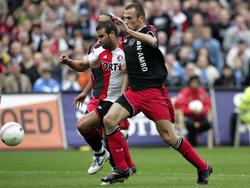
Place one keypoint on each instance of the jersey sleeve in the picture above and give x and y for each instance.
(93, 59)
(122, 58)
(150, 30)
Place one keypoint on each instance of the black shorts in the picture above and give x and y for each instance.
(103, 108)
(125, 104)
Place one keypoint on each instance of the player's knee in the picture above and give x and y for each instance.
(169, 138)
(108, 122)
(80, 125)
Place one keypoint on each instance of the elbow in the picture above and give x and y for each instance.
(83, 67)
(153, 42)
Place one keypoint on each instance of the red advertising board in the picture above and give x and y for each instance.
(39, 115)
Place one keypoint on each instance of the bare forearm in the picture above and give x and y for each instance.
(125, 83)
(87, 87)
(145, 38)
(78, 65)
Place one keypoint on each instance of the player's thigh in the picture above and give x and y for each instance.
(88, 121)
(166, 131)
(115, 115)
(157, 105)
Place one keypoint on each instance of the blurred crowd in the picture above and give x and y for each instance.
(207, 38)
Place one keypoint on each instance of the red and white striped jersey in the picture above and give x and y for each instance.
(112, 64)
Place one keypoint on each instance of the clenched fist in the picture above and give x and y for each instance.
(64, 59)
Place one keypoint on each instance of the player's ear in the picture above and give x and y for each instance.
(112, 34)
(141, 19)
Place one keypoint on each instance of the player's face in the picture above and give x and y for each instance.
(104, 39)
(132, 20)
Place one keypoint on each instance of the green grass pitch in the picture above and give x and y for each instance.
(157, 167)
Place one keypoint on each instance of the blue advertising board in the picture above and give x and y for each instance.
(143, 131)
(70, 115)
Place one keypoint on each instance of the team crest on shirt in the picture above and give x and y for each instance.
(131, 42)
(119, 57)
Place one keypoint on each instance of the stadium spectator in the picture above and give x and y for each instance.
(146, 93)
(17, 82)
(47, 30)
(45, 83)
(50, 61)
(196, 121)
(214, 9)
(160, 19)
(238, 59)
(3, 10)
(15, 52)
(36, 36)
(175, 71)
(190, 70)
(70, 83)
(236, 32)
(185, 52)
(213, 47)
(27, 65)
(208, 73)
(34, 22)
(9, 27)
(179, 22)
(31, 12)
(219, 28)
(69, 25)
(59, 43)
(185, 55)
(178, 18)
(190, 8)
(23, 37)
(226, 79)
(27, 26)
(162, 37)
(85, 24)
(197, 26)
(38, 58)
(49, 16)
(5, 43)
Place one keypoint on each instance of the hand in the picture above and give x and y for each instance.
(63, 59)
(78, 101)
(122, 25)
(197, 112)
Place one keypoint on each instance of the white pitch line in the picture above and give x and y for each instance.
(81, 172)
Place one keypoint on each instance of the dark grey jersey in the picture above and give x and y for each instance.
(145, 64)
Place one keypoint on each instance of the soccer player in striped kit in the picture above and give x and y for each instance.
(147, 94)
(109, 56)
(94, 136)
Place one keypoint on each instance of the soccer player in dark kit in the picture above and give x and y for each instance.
(147, 94)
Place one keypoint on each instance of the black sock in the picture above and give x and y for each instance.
(94, 141)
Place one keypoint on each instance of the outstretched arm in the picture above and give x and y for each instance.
(77, 65)
(78, 101)
(145, 38)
